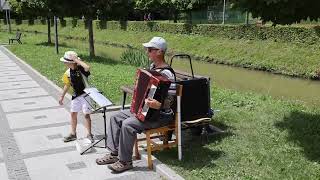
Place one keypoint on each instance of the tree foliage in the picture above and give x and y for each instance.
(76, 8)
(181, 5)
(281, 11)
(33, 8)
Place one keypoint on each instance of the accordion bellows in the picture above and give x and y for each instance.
(149, 84)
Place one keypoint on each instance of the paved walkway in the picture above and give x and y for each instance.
(32, 125)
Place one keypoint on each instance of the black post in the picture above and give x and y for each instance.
(56, 34)
(9, 23)
(91, 41)
(247, 18)
(49, 30)
(7, 19)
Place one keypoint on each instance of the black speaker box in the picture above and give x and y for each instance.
(195, 101)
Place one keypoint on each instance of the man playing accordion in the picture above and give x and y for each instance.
(124, 126)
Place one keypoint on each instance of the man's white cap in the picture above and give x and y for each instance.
(69, 56)
(156, 42)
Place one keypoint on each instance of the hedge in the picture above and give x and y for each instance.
(279, 33)
(252, 32)
(303, 35)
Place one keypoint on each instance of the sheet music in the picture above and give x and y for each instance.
(96, 96)
(151, 93)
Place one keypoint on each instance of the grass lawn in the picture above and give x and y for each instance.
(279, 57)
(267, 139)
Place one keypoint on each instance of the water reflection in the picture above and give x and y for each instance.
(248, 80)
(256, 81)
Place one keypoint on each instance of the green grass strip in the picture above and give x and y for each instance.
(267, 139)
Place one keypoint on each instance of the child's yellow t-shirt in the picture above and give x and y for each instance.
(66, 78)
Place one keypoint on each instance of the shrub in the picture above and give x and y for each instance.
(135, 57)
(113, 25)
(31, 22)
(73, 22)
(81, 23)
(63, 23)
(100, 24)
(43, 21)
(18, 21)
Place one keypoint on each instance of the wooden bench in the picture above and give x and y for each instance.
(155, 133)
(17, 38)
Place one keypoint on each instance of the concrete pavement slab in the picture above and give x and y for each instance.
(37, 118)
(28, 104)
(70, 165)
(45, 138)
(5, 60)
(3, 57)
(10, 68)
(1, 153)
(12, 73)
(3, 172)
(8, 64)
(14, 78)
(22, 93)
(18, 85)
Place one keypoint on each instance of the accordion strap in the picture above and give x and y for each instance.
(85, 80)
(167, 68)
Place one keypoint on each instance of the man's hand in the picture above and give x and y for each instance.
(152, 103)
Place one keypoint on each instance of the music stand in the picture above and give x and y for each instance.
(98, 103)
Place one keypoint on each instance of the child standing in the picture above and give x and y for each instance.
(74, 77)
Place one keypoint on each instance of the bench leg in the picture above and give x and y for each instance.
(19, 41)
(204, 135)
(124, 99)
(165, 138)
(150, 165)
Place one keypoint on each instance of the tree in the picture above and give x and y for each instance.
(173, 6)
(88, 9)
(281, 11)
(34, 8)
(75, 8)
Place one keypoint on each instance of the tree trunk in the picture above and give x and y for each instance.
(175, 16)
(56, 34)
(189, 20)
(49, 30)
(91, 41)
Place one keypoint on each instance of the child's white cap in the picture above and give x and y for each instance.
(69, 56)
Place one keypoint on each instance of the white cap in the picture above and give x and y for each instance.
(156, 42)
(69, 56)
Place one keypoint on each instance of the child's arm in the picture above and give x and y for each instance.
(85, 66)
(64, 92)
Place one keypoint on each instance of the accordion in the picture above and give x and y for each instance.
(149, 84)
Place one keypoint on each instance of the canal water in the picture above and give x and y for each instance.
(245, 80)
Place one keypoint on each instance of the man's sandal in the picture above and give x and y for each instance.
(107, 159)
(119, 167)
